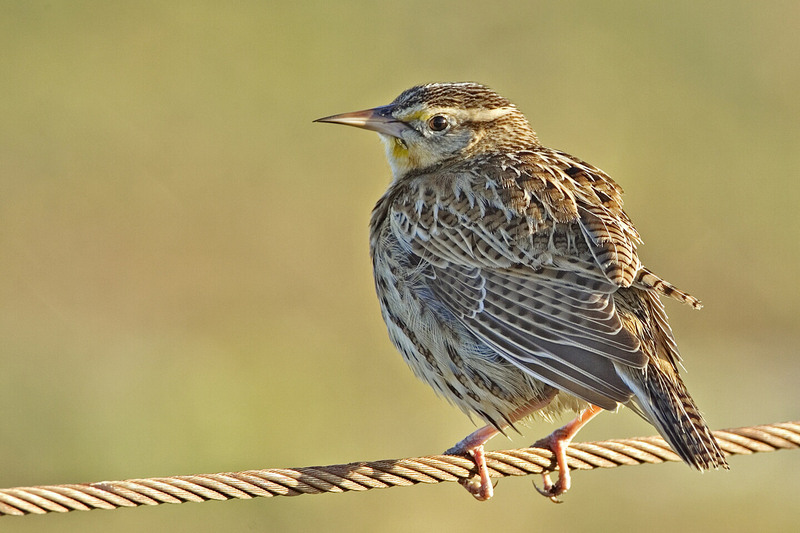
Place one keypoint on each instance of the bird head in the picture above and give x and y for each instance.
(433, 124)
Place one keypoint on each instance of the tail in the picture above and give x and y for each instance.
(664, 401)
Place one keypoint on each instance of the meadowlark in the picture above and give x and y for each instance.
(509, 280)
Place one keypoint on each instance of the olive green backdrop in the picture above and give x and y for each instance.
(184, 276)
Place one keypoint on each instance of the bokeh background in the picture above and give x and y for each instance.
(184, 276)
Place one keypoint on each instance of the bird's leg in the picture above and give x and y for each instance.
(480, 486)
(557, 442)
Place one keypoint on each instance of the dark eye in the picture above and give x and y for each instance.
(438, 123)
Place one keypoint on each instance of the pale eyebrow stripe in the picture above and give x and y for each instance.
(487, 115)
(472, 114)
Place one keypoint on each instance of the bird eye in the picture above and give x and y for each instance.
(438, 123)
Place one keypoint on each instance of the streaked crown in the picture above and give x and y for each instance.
(466, 95)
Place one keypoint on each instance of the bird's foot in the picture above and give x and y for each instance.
(557, 442)
(479, 485)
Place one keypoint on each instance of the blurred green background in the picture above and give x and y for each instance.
(184, 276)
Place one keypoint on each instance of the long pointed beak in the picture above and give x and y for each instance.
(378, 119)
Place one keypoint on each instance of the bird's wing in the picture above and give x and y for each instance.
(526, 270)
(548, 325)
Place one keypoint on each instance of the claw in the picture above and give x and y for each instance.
(547, 489)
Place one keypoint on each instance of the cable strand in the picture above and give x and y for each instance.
(364, 476)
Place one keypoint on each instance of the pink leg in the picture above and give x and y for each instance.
(480, 486)
(557, 442)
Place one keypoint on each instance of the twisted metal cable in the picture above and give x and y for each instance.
(372, 475)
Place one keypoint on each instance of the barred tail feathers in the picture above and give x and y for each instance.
(667, 405)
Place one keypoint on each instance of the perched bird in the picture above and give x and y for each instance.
(508, 277)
